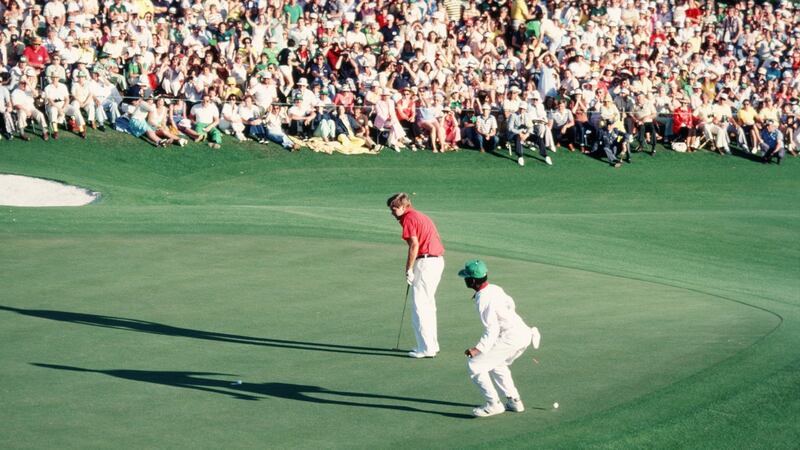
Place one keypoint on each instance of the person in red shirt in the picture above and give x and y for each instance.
(424, 266)
(682, 122)
(37, 55)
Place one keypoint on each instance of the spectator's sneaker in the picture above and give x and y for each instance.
(182, 142)
(548, 160)
(754, 151)
(508, 147)
(617, 165)
(55, 134)
(45, 136)
(24, 137)
(520, 161)
(514, 405)
(489, 409)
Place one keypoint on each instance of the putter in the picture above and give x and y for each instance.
(400, 331)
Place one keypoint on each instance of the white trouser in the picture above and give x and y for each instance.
(56, 116)
(492, 365)
(35, 114)
(427, 273)
(107, 111)
(717, 134)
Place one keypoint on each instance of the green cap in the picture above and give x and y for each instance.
(474, 269)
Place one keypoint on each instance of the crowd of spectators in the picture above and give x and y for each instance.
(607, 76)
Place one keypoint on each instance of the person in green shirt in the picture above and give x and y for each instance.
(293, 11)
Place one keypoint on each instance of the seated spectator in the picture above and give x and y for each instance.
(486, 130)
(206, 118)
(230, 122)
(323, 125)
(643, 118)
(300, 119)
(138, 111)
(386, 119)
(611, 142)
(772, 142)
(562, 125)
(746, 117)
(23, 101)
(158, 120)
(683, 124)
(107, 100)
(274, 121)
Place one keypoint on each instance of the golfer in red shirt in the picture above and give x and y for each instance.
(424, 266)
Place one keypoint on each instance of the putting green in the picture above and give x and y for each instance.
(155, 329)
(666, 292)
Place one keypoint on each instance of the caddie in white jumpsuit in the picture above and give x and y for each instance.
(505, 338)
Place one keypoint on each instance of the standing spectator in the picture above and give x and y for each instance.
(36, 54)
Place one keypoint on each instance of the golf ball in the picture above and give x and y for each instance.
(555, 405)
(237, 382)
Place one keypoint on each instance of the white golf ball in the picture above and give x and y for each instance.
(555, 405)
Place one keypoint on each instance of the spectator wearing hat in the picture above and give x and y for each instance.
(36, 54)
(300, 118)
(82, 100)
(452, 129)
(206, 118)
(58, 104)
(642, 119)
(771, 142)
(23, 100)
(386, 120)
(519, 129)
(107, 99)
(611, 142)
(683, 123)
(486, 130)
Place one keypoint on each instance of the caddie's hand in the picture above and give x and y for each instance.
(410, 276)
(472, 352)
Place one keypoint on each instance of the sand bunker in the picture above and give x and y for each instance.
(17, 190)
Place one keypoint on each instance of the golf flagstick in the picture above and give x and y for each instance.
(400, 331)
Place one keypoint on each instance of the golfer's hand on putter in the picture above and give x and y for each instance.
(409, 276)
(471, 352)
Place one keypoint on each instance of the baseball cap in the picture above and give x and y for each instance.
(474, 268)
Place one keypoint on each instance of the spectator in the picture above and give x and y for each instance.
(486, 130)
(206, 118)
(772, 142)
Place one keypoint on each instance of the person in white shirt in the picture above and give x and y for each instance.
(83, 100)
(486, 130)
(6, 107)
(505, 338)
(206, 117)
(22, 98)
(107, 100)
(57, 103)
(230, 120)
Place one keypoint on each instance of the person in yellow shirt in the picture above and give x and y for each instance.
(520, 13)
(746, 116)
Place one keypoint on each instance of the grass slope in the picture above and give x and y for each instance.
(666, 292)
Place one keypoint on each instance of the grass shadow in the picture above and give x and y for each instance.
(202, 381)
(142, 326)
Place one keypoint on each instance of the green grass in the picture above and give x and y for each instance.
(667, 294)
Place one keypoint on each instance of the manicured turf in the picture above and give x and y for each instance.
(666, 291)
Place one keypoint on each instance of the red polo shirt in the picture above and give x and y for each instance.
(415, 223)
(37, 57)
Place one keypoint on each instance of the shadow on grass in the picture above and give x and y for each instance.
(257, 391)
(142, 326)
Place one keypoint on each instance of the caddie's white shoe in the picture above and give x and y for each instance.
(548, 161)
(520, 161)
(514, 405)
(536, 337)
(489, 409)
(418, 355)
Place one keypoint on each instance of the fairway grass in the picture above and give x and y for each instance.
(666, 292)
